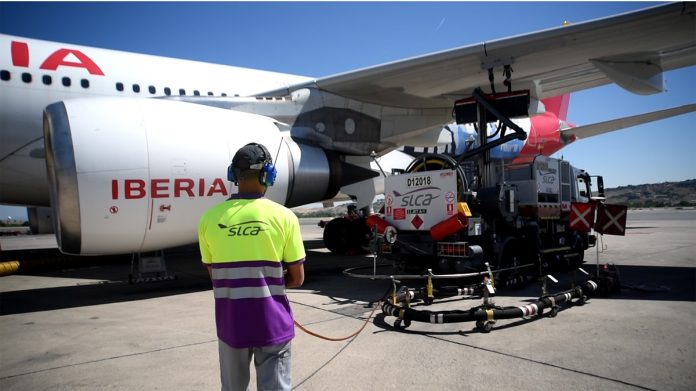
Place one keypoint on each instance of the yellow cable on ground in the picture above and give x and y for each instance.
(8, 267)
(342, 338)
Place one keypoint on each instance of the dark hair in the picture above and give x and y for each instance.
(247, 175)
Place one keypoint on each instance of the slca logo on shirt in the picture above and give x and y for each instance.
(247, 228)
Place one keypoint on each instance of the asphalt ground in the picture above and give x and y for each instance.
(87, 328)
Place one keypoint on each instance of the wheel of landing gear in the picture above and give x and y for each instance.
(342, 236)
(337, 235)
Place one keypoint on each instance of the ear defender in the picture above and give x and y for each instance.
(267, 175)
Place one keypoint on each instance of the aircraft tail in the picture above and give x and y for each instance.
(558, 105)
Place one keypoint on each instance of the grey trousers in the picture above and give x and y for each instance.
(273, 364)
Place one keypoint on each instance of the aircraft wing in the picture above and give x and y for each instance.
(586, 131)
(630, 49)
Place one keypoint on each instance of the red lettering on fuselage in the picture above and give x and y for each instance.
(134, 189)
(20, 54)
(183, 185)
(20, 58)
(218, 186)
(159, 188)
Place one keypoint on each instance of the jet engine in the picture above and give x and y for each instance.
(135, 175)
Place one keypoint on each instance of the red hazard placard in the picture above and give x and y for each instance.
(581, 216)
(611, 219)
(399, 214)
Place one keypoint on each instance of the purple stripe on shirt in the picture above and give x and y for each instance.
(248, 282)
(244, 323)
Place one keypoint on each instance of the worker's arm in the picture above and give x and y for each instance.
(210, 271)
(295, 275)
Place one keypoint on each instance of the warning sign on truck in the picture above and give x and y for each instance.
(417, 201)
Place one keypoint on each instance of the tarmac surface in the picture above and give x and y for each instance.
(87, 329)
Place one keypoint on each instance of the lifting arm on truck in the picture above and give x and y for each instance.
(517, 103)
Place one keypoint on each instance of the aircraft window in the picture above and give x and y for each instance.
(5, 75)
(136, 88)
(84, 83)
(152, 89)
(26, 77)
(119, 86)
(182, 91)
(196, 92)
(66, 81)
(210, 93)
(223, 94)
(167, 91)
(47, 80)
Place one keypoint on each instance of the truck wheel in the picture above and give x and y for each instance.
(512, 249)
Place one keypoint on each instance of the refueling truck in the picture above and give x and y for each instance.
(454, 215)
(436, 218)
(475, 220)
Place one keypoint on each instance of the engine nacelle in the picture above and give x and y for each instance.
(132, 175)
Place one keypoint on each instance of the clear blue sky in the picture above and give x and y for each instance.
(319, 39)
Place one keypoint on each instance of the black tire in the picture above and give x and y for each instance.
(337, 235)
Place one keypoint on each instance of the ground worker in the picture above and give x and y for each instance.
(246, 243)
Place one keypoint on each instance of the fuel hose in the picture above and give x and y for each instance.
(489, 313)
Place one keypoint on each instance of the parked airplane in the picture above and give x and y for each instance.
(127, 173)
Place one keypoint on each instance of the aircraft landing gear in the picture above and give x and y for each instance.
(346, 235)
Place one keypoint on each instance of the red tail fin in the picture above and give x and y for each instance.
(558, 105)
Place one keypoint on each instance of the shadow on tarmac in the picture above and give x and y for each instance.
(106, 281)
(659, 283)
(323, 275)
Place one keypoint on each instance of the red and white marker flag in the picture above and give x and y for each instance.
(581, 216)
(611, 219)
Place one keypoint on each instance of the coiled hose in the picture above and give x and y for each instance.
(489, 313)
